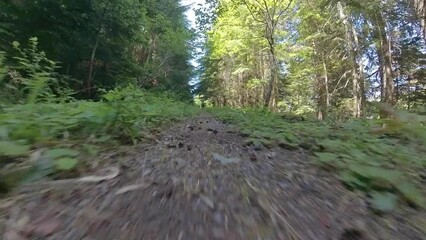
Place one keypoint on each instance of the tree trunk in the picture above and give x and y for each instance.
(420, 9)
(91, 67)
(385, 60)
(274, 71)
(323, 101)
(327, 91)
(357, 67)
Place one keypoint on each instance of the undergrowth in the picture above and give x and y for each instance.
(46, 133)
(50, 139)
(384, 158)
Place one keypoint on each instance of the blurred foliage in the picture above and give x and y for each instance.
(67, 132)
(375, 156)
(31, 77)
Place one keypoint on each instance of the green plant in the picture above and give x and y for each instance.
(384, 158)
(125, 115)
(32, 77)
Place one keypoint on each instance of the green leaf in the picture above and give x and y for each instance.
(351, 180)
(62, 152)
(103, 139)
(411, 193)
(92, 150)
(66, 164)
(371, 172)
(325, 157)
(384, 202)
(335, 146)
(12, 149)
(42, 168)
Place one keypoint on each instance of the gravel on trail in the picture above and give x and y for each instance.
(201, 180)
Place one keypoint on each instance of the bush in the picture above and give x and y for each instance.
(31, 77)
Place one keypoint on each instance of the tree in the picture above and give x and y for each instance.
(328, 57)
(420, 10)
(355, 56)
(269, 13)
(104, 43)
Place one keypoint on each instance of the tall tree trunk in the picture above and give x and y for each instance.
(91, 66)
(385, 60)
(360, 83)
(420, 9)
(357, 67)
(323, 101)
(274, 72)
(327, 91)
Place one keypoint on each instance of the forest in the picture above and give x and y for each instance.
(323, 57)
(254, 118)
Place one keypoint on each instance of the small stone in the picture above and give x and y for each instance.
(190, 127)
(272, 155)
(283, 185)
(352, 234)
(253, 157)
(146, 172)
(218, 218)
(257, 148)
(171, 145)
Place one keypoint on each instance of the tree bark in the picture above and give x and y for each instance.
(323, 101)
(272, 80)
(91, 66)
(356, 61)
(385, 61)
(420, 9)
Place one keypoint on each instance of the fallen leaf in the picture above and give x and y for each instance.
(36, 155)
(225, 160)
(132, 188)
(114, 172)
(207, 201)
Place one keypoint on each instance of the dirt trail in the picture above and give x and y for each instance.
(199, 180)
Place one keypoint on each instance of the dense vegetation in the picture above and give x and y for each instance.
(385, 162)
(128, 59)
(315, 57)
(98, 44)
(77, 76)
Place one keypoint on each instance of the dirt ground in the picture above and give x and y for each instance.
(200, 180)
